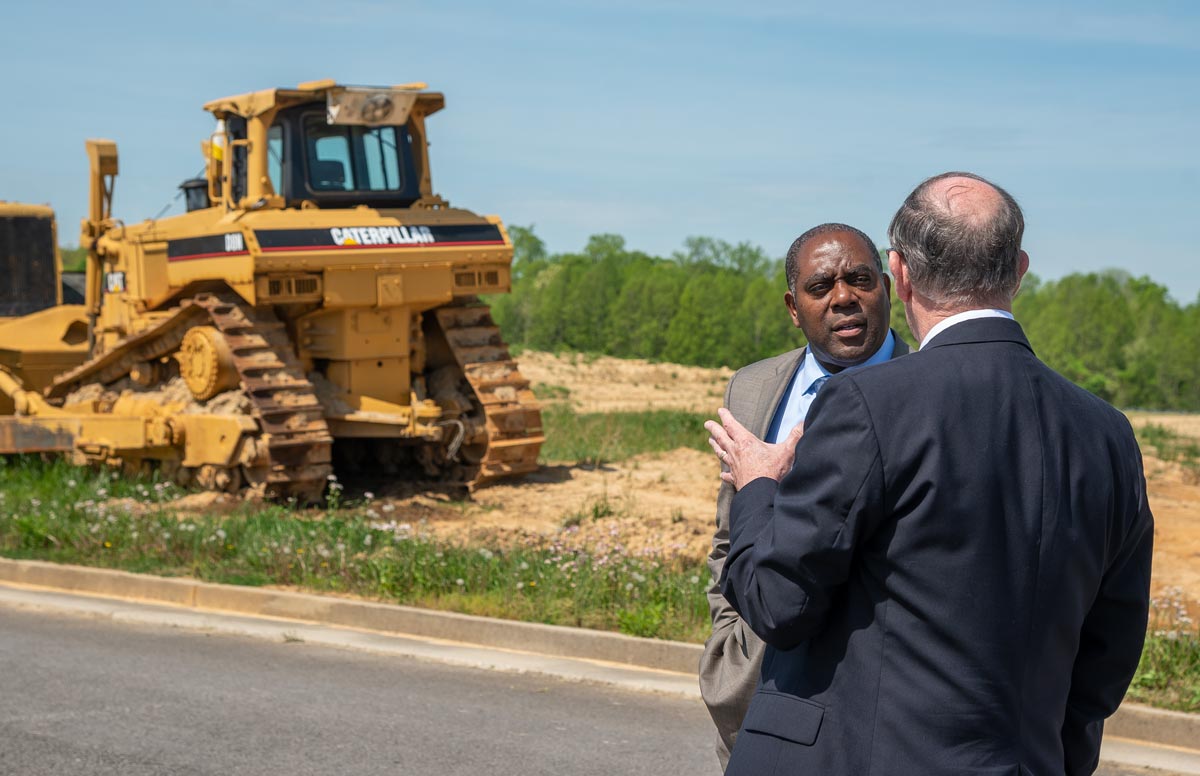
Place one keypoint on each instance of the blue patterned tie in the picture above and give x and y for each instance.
(815, 388)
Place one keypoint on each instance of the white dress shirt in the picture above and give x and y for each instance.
(969, 315)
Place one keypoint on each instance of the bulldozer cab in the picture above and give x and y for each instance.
(320, 145)
(28, 259)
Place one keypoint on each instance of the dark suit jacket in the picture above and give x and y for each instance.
(954, 576)
(732, 657)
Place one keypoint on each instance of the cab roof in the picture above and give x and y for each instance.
(260, 102)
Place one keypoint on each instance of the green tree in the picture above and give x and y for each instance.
(642, 311)
(704, 330)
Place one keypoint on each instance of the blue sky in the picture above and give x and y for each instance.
(662, 119)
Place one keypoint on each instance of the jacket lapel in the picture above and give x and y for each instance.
(767, 405)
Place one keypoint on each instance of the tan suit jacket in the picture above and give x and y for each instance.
(732, 659)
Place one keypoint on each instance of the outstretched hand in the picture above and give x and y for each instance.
(747, 456)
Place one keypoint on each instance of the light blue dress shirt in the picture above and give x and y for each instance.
(793, 408)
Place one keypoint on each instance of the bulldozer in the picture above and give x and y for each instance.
(314, 311)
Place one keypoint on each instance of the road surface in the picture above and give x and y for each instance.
(86, 696)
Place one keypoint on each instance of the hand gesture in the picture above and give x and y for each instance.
(747, 456)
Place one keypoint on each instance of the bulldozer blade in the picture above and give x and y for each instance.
(20, 435)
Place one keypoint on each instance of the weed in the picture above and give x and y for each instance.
(1169, 672)
(595, 509)
(549, 391)
(1169, 445)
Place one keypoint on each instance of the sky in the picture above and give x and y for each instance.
(663, 119)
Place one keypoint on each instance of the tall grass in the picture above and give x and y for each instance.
(1169, 672)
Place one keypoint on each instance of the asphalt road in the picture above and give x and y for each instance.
(87, 696)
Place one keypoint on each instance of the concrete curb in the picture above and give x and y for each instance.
(551, 640)
(1144, 723)
(1132, 721)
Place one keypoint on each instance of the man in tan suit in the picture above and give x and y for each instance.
(839, 297)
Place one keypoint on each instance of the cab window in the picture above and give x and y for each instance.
(275, 157)
(355, 158)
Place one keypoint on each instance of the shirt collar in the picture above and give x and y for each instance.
(811, 369)
(969, 315)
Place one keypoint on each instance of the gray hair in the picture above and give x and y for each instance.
(791, 265)
(959, 258)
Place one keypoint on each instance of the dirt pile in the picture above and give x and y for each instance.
(604, 384)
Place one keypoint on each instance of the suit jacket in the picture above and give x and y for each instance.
(954, 576)
(732, 658)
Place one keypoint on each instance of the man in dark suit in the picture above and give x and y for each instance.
(953, 578)
(839, 297)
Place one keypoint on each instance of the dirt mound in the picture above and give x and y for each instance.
(604, 384)
(657, 503)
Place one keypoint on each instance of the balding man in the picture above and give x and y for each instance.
(953, 578)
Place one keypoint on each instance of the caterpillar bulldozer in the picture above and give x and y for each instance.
(315, 309)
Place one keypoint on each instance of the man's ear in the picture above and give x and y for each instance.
(1023, 266)
(790, 301)
(899, 270)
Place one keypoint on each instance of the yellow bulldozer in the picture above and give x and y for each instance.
(316, 308)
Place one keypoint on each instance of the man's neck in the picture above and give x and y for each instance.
(974, 313)
(923, 315)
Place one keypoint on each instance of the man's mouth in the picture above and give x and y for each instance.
(850, 328)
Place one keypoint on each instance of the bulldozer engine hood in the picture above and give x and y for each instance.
(336, 238)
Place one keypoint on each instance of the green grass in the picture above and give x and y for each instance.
(1169, 673)
(55, 512)
(600, 437)
(1170, 446)
(550, 391)
(73, 259)
(60, 513)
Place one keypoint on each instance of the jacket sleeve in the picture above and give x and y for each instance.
(718, 608)
(791, 543)
(730, 662)
(1110, 643)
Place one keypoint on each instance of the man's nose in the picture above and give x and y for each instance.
(843, 295)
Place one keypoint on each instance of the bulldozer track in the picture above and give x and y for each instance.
(294, 432)
(513, 416)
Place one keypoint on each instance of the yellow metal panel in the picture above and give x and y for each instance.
(350, 288)
(416, 286)
(20, 210)
(349, 334)
(101, 435)
(212, 439)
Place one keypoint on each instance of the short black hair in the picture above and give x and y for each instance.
(791, 268)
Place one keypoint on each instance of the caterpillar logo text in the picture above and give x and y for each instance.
(382, 235)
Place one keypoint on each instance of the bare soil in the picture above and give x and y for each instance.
(604, 384)
(664, 503)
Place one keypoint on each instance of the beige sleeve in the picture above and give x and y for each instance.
(732, 657)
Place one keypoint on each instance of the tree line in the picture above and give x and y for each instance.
(713, 303)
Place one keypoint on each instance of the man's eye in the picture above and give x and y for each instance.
(819, 290)
(862, 281)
